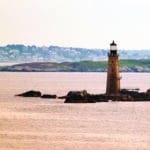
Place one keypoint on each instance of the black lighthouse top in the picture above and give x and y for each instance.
(113, 43)
(113, 48)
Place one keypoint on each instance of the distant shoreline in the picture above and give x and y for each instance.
(8, 63)
(82, 66)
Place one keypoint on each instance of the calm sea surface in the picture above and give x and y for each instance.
(61, 83)
(34, 123)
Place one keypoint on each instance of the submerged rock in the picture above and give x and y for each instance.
(48, 96)
(30, 94)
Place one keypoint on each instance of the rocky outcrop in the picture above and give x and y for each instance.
(49, 96)
(37, 94)
(135, 95)
(97, 97)
(62, 97)
(85, 97)
(125, 95)
(30, 94)
(148, 91)
(78, 97)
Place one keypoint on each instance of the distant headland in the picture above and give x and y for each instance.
(69, 59)
(83, 66)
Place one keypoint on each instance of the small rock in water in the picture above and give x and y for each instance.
(62, 97)
(30, 94)
(48, 96)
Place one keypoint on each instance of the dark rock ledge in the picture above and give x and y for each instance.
(125, 95)
(30, 94)
(48, 96)
(37, 94)
(85, 97)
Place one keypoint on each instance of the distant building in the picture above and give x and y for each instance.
(113, 77)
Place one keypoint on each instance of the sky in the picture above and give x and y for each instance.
(76, 23)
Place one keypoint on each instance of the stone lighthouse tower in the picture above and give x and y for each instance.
(113, 78)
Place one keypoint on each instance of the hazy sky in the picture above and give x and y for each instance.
(80, 23)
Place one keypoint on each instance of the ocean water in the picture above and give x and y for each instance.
(34, 123)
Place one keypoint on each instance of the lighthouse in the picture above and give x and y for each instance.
(113, 77)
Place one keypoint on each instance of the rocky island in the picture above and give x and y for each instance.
(113, 90)
(126, 95)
